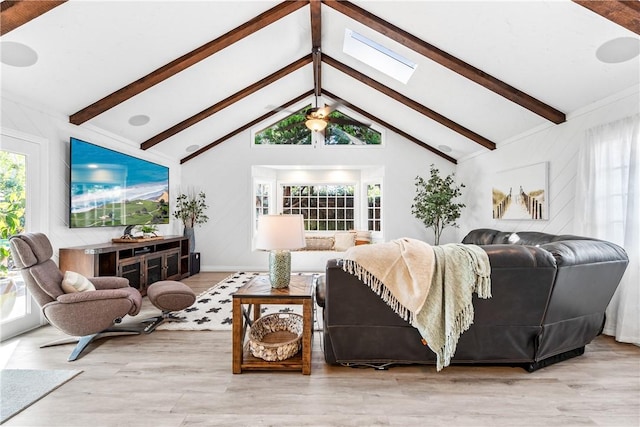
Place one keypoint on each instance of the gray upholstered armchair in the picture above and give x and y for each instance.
(86, 315)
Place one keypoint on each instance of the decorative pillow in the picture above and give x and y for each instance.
(319, 243)
(344, 241)
(75, 282)
(363, 237)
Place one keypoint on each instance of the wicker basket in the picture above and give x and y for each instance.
(276, 337)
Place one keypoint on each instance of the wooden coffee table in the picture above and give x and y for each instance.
(259, 291)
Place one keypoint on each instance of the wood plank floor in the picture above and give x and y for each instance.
(176, 378)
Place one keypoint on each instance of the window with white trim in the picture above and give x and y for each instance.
(330, 200)
(262, 196)
(325, 207)
(374, 207)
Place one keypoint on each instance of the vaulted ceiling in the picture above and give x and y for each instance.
(204, 71)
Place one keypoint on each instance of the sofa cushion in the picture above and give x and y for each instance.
(319, 243)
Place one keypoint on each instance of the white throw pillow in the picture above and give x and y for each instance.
(344, 241)
(75, 282)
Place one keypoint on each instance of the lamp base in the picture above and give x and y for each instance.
(279, 268)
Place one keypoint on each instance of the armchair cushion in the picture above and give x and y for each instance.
(75, 282)
(126, 294)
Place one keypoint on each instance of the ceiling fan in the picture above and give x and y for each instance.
(317, 118)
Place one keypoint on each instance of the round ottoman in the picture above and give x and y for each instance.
(168, 296)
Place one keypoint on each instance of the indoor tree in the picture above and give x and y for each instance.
(434, 203)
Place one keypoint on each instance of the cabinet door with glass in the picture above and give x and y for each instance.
(172, 265)
(154, 269)
(133, 270)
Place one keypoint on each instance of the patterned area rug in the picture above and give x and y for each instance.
(212, 310)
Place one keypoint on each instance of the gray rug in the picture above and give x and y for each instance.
(20, 388)
(213, 308)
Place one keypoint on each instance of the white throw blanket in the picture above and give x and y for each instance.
(399, 271)
(430, 287)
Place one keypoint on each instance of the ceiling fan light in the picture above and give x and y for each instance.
(316, 124)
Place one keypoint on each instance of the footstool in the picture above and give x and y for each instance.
(168, 296)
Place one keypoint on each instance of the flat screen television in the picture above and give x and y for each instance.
(109, 189)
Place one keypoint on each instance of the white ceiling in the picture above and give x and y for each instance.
(89, 49)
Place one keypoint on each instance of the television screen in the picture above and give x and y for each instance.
(111, 189)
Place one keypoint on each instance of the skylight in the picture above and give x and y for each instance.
(377, 56)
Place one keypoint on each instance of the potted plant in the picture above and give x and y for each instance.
(433, 203)
(148, 230)
(190, 209)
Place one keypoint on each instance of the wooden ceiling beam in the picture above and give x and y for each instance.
(317, 72)
(316, 45)
(16, 13)
(226, 102)
(389, 126)
(246, 126)
(623, 13)
(409, 102)
(264, 19)
(316, 24)
(451, 62)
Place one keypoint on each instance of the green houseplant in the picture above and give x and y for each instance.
(190, 209)
(434, 203)
(148, 230)
(12, 210)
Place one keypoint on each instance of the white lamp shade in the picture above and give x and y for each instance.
(280, 232)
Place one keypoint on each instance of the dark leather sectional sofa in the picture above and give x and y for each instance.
(549, 295)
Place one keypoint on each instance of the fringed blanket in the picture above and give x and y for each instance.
(399, 271)
(429, 286)
(448, 311)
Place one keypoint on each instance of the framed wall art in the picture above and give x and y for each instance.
(522, 193)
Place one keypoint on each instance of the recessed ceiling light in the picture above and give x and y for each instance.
(444, 148)
(139, 120)
(17, 54)
(619, 50)
(192, 148)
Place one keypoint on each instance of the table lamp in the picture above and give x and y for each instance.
(279, 234)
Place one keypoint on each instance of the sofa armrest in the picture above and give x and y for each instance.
(321, 290)
(518, 256)
(576, 252)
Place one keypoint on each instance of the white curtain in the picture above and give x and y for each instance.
(608, 208)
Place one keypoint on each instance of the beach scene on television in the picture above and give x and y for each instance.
(110, 189)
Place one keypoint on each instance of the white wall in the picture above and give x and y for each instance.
(54, 131)
(557, 144)
(224, 173)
